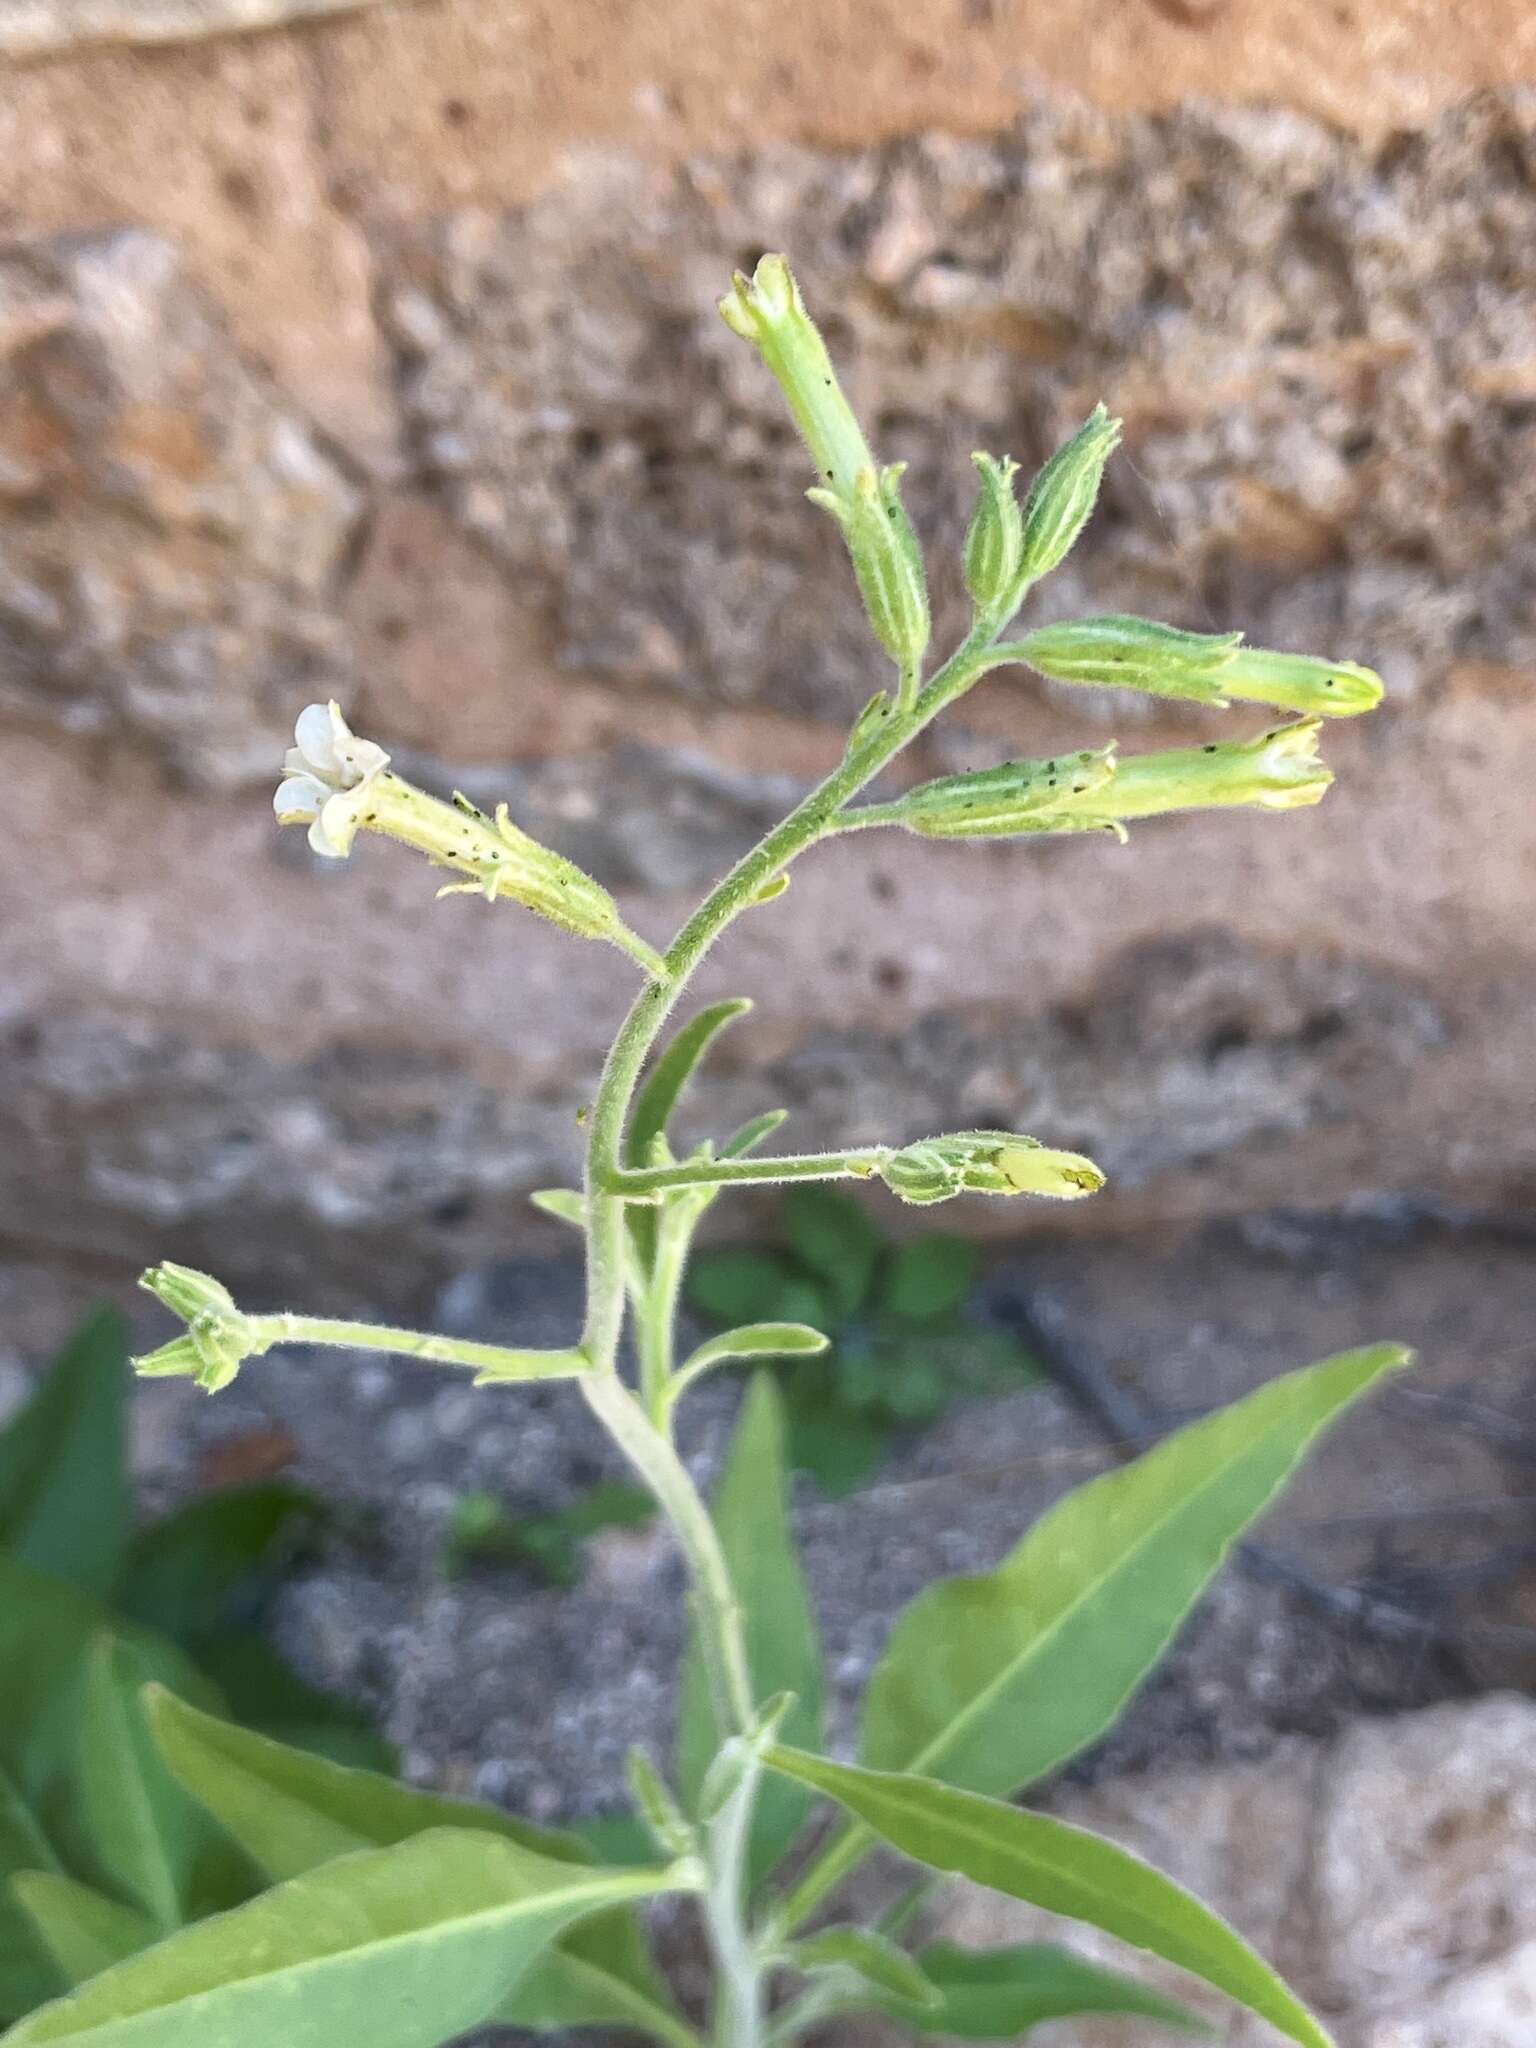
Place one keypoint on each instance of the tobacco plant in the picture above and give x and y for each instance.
(401, 1919)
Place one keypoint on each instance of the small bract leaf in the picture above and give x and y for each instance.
(873, 1962)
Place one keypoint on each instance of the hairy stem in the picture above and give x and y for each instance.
(859, 1164)
(494, 1359)
(739, 1997)
(647, 1445)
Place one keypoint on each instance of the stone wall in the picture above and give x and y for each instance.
(371, 352)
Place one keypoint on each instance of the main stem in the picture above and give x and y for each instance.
(648, 1447)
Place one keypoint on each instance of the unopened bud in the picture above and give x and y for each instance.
(994, 803)
(886, 560)
(1064, 493)
(767, 310)
(219, 1338)
(987, 1163)
(1134, 654)
(1299, 682)
(994, 545)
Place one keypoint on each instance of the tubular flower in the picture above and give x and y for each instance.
(339, 784)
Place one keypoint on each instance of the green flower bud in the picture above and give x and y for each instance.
(1063, 494)
(987, 1163)
(886, 560)
(1134, 654)
(993, 803)
(219, 1338)
(1299, 682)
(185, 1291)
(994, 545)
(767, 310)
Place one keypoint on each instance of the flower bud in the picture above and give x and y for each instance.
(886, 560)
(219, 1338)
(1299, 682)
(987, 1163)
(994, 545)
(1063, 494)
(994, 803)
(1279, 771)
(1134, 654)
(767, 310)
(185, 1291)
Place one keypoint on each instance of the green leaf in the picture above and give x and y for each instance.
(827, 1440)
(84, 1931)
(990, 1682)
(262, 1692)
(144, 1830)
(204, 1568)
(64, 1498)
(754, 1340)
(996, 1994)
(745, 1287)
(28, 1974)
(872, 1962)
(671, 1074)
(567, 1205)
(1060, 1868)
(400, 1947)
(292, 1811)
(752, 1133)
(834, 1237)
(928, 1278)
(600, 1975)
(783, 1652)
(46, 1631)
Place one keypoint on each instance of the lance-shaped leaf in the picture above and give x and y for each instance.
(1060, 1868)
(992, 1681)
(783, 1653)
(749, 1340)
(145, 1831)
(868, 1963)
(997, 1994)
(671, 1074)
(83, 1930)
(64, 1501)
(291, 1811)
(28, 1973)
(401, 1947)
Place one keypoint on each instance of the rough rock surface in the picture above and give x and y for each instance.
(47, 28)
(1321, 350)
(1388, 1873)
(171, 532)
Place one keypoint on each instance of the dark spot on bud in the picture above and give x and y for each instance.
(1209, 748)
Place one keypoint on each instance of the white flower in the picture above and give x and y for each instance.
(327, 779)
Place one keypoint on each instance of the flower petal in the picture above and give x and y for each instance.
(334, 830)
(316, 733)
(298, 797)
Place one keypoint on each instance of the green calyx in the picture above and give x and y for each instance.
(1063, 495)
(987, 1163)
(219, 1338)
(1134, 654)
(887, 561)
(1094, 791)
